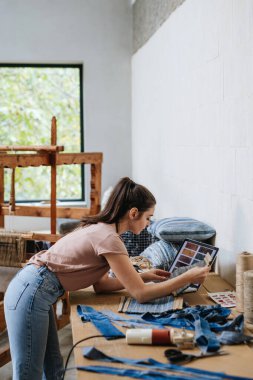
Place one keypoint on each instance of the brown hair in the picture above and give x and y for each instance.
(125, 195)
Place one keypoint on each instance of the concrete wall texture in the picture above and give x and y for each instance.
(148, 16)
(192, 117)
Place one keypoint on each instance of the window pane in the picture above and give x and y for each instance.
(32, 183)
(29, 97)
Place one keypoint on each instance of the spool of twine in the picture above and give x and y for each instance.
(248, 296)
(244, 263)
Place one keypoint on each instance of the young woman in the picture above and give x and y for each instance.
(78, 260)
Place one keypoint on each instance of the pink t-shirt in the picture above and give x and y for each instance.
(78, 258)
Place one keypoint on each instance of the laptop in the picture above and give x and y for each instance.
(192, 253)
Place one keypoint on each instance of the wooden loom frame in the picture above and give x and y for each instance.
(48, 156)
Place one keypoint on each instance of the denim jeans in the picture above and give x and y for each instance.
(31, 324)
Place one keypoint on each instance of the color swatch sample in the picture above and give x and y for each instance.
(225, 299)
(192, 253)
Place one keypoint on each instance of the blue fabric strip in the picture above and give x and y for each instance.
(95, 354)
(204, 337)
(203, 319)
(100, 321)
(135, 321)
(215, 315)
(136, 374)
(235, 337)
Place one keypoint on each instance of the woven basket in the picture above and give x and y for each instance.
(12, 249)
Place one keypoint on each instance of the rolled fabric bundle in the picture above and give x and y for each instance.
(248, 296)
(243, 264)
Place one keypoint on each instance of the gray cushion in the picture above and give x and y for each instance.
(161, 254)
(66, 227)
(180, 228)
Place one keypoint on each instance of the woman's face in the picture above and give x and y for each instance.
(140, 220)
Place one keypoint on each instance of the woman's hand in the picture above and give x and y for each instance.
(155, 275)
(196, 275)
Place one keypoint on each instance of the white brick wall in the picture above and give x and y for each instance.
(192, 130)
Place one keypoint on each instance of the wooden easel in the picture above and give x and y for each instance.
(49, 156)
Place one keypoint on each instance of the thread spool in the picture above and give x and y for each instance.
(243, 264)
(248, 296)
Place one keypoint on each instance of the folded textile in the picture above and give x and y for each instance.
(204, 320)
(158, 306)
(135, 321)
(216, 316)
(100, 321)
(161, 254)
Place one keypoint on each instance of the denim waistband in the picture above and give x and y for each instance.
(43, 272)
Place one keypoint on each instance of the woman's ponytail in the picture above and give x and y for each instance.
(125, 195)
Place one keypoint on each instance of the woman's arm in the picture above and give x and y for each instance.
(110, 284)
(129, 279)
(107, 284)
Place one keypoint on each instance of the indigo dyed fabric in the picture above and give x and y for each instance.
(161, 254)
(100, 321)
(150, 367)
(180, 228)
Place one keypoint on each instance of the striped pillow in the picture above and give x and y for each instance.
(181, 228)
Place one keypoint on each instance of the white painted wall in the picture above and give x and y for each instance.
(192, 124)
(96, 33)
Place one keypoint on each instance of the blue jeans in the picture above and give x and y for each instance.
(31, 324)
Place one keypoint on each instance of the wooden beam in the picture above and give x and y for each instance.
(40, 159)
(95, 186)
(2, 319)
(1, 195)
(42, 236)
(34, 148)
(44, 211)
(24, 160)
(5, 355)
(78, 158)
(53, 178)
(12, 194)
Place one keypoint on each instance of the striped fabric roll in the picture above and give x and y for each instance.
(161, 254)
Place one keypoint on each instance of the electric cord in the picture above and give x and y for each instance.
(72, 348)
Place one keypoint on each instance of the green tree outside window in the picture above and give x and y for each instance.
(29, 96)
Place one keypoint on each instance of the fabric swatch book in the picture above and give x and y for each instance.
(192, 253)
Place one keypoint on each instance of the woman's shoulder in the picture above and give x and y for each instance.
(103, 229)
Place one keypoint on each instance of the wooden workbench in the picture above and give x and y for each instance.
(238, 362)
